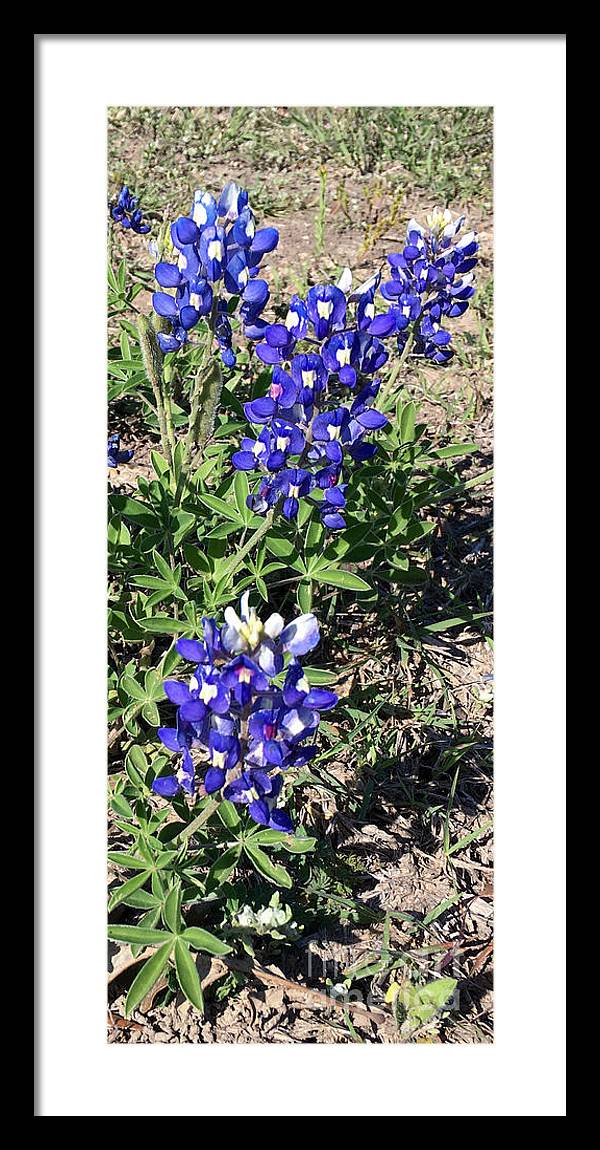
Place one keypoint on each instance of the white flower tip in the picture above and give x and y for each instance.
(232, 618)
(274, 626)
(345, 281)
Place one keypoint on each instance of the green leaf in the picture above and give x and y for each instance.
(441, 908)
(163, 625)
(196, 560)
(172, 909)
(291, 843)
(121, 893)
(407, 423)
(132, 509)
(215, 504)
(417, 1005)
(223, 867)
(476, 834)
(336, 577)
(126, 860)
(149, 921)
(282, 548)
(455, 449)
(203, 940)
(438, 992)
(241, 490)
(297, 846)
(147, 976)
(228, 814)
(159, 464)
(140, 900)
(153, 684)
(132, 687)
(268, 837)
(304, 595)
(170, 661)
(121, 806)
(317, 677)
(187, 975)
(150, 713)
(457, 621)
(272, 871)
(140, 935)
(136, 761)
(162, 567)
(184, 522)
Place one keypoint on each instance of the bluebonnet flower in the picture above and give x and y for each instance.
(340, 353)
(330, 510)
(248, 728)
(218, 249)
(127, 213)
(193, 298)
(432, 280)
(326, 306)
(278, 401)
(294, 437)
(259, 791)
(115, 456)
(183, 780)
(346, 331)
(293, 482)
(224, 753)
(272, 447)
(278, 346)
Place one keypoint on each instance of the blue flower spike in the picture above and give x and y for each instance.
(217, 252)
(336, 340)
(237, 729)
(127, 213)
(115, 455)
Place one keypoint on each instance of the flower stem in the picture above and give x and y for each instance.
(166, 397)
(152, 357)
(236, 560)
(200, 820)
(388, 387)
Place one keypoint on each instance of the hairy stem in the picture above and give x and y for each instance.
(152, 358)
(198, 393)
(388, 387)
(236, 560)
(200, 820)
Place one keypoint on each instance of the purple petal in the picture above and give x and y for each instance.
(166, 785)
(301, 635)
(191, 649)
(177, 692)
